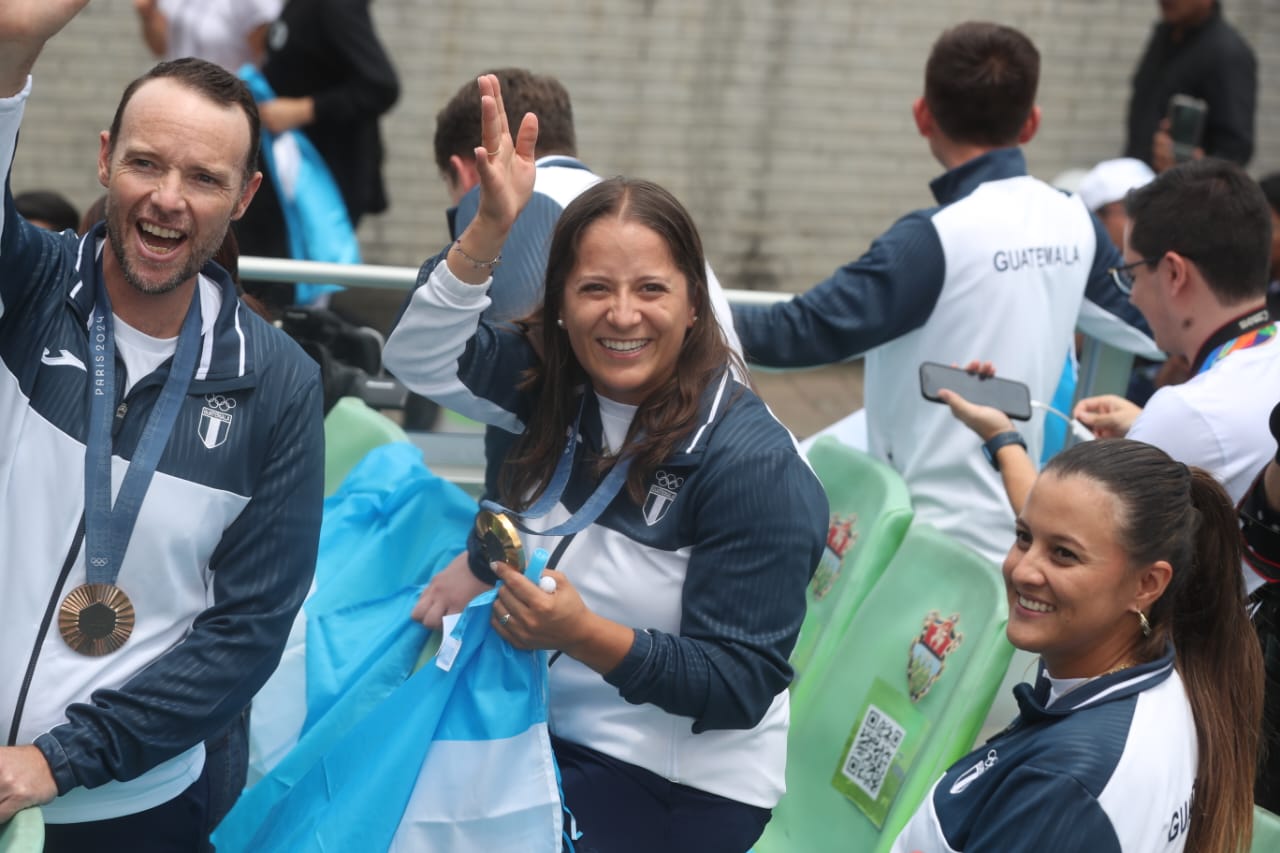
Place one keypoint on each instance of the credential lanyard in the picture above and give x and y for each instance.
(108, 529)
(590, 509)
(1251, 331)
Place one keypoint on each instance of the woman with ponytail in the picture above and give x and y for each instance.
(1140, 733)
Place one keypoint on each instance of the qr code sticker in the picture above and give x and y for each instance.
(874, 747)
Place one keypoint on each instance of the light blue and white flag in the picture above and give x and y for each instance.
(453, 757)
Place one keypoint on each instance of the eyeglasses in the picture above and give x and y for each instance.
(1123, 276)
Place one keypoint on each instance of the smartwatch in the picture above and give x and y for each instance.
(992, 445)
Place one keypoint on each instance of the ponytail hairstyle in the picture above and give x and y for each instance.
(1181, 515)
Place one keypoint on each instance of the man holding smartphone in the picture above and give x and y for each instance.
(1002, 268)
(1193, 55)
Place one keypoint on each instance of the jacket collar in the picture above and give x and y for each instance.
(996, 165)
(716, 400)
(1106, 688)
(226, 354)
(564, 161)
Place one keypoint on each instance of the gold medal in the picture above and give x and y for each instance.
(95, 619)
(500, 539)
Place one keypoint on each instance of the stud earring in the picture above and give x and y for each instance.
(560, 322)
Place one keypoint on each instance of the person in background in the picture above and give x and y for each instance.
(1195, 262)
(1193, 51)
(333, 81)
(1004, 268)
(1103, 190)
(47, 209)
(151, 606)
(228, 32)
(693, 523)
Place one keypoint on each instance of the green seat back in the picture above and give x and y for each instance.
(870, 513)
(1266, 831)
(24, 833)
(351, 430)
(860, 703)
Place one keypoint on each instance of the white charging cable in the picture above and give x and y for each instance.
(1079, 430)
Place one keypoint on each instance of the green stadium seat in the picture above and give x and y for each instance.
(1266, 831)
(860, 744)
(352, 429)
(24, 833)
(870, 513)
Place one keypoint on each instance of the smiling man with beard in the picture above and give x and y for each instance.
(158, 529)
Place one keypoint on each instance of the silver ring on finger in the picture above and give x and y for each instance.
(504, 618)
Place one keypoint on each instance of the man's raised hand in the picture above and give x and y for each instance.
(25, 26)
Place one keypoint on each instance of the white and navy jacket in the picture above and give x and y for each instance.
(710, 571)
(1109, 767)
(224, 546)
(1001, 270)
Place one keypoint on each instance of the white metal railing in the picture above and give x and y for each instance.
(401, 278)
(1103, 369)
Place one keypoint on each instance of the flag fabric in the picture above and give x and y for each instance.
(314, 212)
(390, 527)
(455, 756)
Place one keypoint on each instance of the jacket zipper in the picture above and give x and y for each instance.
(54, 600)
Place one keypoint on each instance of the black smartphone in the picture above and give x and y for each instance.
(1186, 125)
(1012, 398)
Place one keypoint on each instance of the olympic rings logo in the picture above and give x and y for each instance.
(219, 402)
(669, 481)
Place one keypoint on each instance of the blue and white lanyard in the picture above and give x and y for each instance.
(590, 510)
(108, 529)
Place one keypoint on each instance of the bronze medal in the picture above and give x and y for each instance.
(500, 539)
(95, 619)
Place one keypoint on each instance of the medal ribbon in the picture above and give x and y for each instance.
(590, 509)
(108, 529)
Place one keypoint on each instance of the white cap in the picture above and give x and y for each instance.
(1110, 180)
(1069, 181)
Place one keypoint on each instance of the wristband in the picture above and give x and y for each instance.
(992, 446)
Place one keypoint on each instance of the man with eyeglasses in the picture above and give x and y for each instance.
(1196, 254)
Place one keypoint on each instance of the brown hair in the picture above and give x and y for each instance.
(1213, 214)
(458, 122)
(670, 412)
(980, 83)
(1169, 512)
(213, 82)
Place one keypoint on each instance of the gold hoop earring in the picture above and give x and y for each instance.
(1146, 626)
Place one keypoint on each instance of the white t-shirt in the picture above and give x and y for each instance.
(1218, 421)
(615, 419)
(140, 352)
